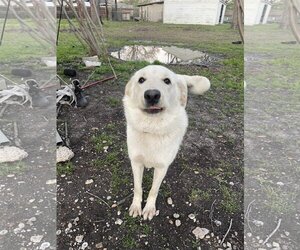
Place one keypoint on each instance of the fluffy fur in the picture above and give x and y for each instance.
(154, 139)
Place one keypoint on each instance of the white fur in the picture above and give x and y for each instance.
(154, 139)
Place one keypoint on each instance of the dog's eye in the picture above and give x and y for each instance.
(167, 81)
(142, 79)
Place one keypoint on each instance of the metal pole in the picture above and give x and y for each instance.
(59, 20)
(4, 24)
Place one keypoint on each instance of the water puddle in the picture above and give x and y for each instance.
(166, 55)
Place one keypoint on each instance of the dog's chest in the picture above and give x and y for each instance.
(154, 150)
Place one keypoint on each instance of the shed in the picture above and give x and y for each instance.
(257, 12)
(152, 11)
(194, 11)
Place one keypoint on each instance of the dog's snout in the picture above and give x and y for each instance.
(152, 96)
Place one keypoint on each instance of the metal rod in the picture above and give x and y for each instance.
(4, 24)
(59, 20)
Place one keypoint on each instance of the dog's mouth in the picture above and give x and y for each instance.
(153, 110)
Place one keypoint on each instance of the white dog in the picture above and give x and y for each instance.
(154, 101)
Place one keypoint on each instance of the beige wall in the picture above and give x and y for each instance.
(192, 11)
(152, 13)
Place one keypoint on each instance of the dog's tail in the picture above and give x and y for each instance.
(197, 85)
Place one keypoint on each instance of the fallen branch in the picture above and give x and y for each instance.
(98, 198)
(97, 82)
(121, 201)
(274, 231)
(226, 232)
(247, 214)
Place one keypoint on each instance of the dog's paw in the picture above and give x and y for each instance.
(149, 211)
(135, 209)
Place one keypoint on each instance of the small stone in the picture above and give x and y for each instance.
(44, 245)
(196, 172)
(268, 245)
(200, 232)
(157, 213)
(249, 235)
(279, 183)
(171, 222)
(170, 201)
(51, 182)
(119, 213)
(3, 232)
(84, 245)
(258, 223)
(79, 238)
(218, 223)
(99, 245)
(21, 225)
(176, 216)
(177, 223)
(275, 244)
(58, 232)
(192, 216)
(231, 183)
(118, 222)
(286, 233)
(108, 198)
(87, 182)
(36, 238)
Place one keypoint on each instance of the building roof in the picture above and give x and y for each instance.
(151, 3)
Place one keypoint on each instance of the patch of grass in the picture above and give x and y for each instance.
(129, 242)
(101, 140)
(65, 168)
(279, 201)
(114, 102)
(230, 200)
(200, 195)
(132, 230)
(11, 168)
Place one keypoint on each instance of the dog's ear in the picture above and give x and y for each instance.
(128, 88)
(197, 85)
(183, 91)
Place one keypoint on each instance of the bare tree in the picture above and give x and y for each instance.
(44, 28)
(106, 9)
(238, 17)
(284, 23)
(89, 32)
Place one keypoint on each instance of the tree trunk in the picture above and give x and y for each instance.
(106, 10)
(234, 24)
(116, 11)
(284, 24)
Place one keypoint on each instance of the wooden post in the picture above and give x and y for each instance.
(106, 10)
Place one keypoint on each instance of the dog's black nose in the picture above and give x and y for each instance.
(152, 96)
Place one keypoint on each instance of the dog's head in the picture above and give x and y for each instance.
(155, 90)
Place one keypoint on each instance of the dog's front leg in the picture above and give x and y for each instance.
(150, 209)
(136, 206)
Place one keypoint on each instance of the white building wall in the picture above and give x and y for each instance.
(191, 12)
(253, 12)
(152, 13)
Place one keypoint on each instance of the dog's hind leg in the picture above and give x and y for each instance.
(136, 206)
(150, 209)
